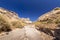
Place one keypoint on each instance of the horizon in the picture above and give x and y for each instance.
(32, 9)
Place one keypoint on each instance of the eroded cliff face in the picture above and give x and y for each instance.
(49, 23)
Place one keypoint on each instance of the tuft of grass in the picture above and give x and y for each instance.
(57, 8)
(18, 24)
(57, 21)
(4, 24)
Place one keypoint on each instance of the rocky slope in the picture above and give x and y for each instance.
(10, 20)
(49, 23)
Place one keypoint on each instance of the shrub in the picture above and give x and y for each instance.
(57, 21)
(49, 21)
(46, 21)
(4, 24)
(18, 24)
(57, 8)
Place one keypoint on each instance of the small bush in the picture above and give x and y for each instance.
(57, 21)
(57, 8)
(4, 24)
(46, 21)
(49, 21)
(18, 24)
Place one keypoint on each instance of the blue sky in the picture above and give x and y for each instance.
(30, 8)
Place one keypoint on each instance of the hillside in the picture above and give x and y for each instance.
(46, 27)
(10, 20)
(49, 23)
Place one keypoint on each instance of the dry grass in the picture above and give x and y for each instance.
(4, 24)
